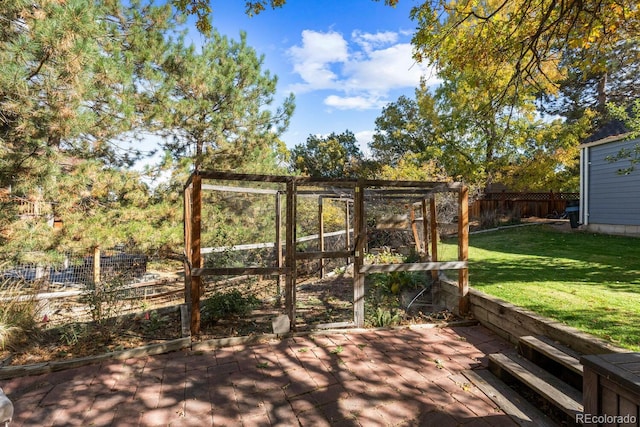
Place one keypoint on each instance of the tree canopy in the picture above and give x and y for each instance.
(332, 156)
(453, 128)
(216, 103)
(531, 41)
(83, 84)
(71, 81)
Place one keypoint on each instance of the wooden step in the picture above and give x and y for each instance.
(555, 358)
(513, 367)
(508, 400)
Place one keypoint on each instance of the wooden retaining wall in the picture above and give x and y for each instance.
(512, 322)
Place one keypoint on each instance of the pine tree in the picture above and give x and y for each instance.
(218, 104)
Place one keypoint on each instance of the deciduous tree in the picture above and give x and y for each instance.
(332, 156)
(408, 125)
(530, 40)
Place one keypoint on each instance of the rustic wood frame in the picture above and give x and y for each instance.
(417, 194)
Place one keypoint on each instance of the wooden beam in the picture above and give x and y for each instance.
(433, 185)
(360, 235)
(189, 182)
(196, 258)
(463, 249)
(433, 216)
(399, 192)
(414, 229)
(232, 176)
(231, 189)
(425, 229)
(321, 255)
(338, 183)
(221, 249)
(279, 257)
(321, 234)
(332, 194)
(237, 271)
(416, 266)
(347, 227)
(290, 258)
(315, 236)
(188, 259)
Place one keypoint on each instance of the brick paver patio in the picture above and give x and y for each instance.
(403, 377)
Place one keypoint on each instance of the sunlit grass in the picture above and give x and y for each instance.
(18, 310)
(585, 280)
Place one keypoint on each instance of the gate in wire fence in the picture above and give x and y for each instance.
(74, 270)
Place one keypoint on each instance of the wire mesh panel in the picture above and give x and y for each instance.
(303, 256)
(238, 226)
(54, 270)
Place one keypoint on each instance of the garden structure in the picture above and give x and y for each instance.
(362, 201)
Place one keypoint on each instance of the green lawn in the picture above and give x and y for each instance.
(588, 281)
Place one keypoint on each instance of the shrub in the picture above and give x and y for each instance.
(105, 299)
(383, 318)
(223, 305)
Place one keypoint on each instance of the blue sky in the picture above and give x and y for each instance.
(343, 59)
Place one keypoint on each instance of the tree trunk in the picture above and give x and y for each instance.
(602, 92)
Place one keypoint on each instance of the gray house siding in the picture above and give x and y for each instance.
(612, 198)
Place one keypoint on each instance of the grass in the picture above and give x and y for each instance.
(585, 280)
(18, 311)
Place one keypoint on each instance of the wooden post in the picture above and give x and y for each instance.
(279, 242)
(425, 230)
(96, 266)
(463, 250)
(434, 234)
(414, 229)
(188, 259)
(196, 257)
(290, 258)
(346, 226)
(321, 234)
(360, 235)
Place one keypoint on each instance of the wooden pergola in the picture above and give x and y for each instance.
(416, 194)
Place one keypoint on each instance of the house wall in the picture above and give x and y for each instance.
(613, 200)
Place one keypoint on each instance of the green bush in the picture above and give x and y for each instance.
(222, 305)
(105, 299)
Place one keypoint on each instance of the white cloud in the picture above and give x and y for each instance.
(360, 72)
(312, 61)
(385, 69)
(354, 102)
(369, 41)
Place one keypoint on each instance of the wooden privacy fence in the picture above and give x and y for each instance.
(363, 194)
(523, 205)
